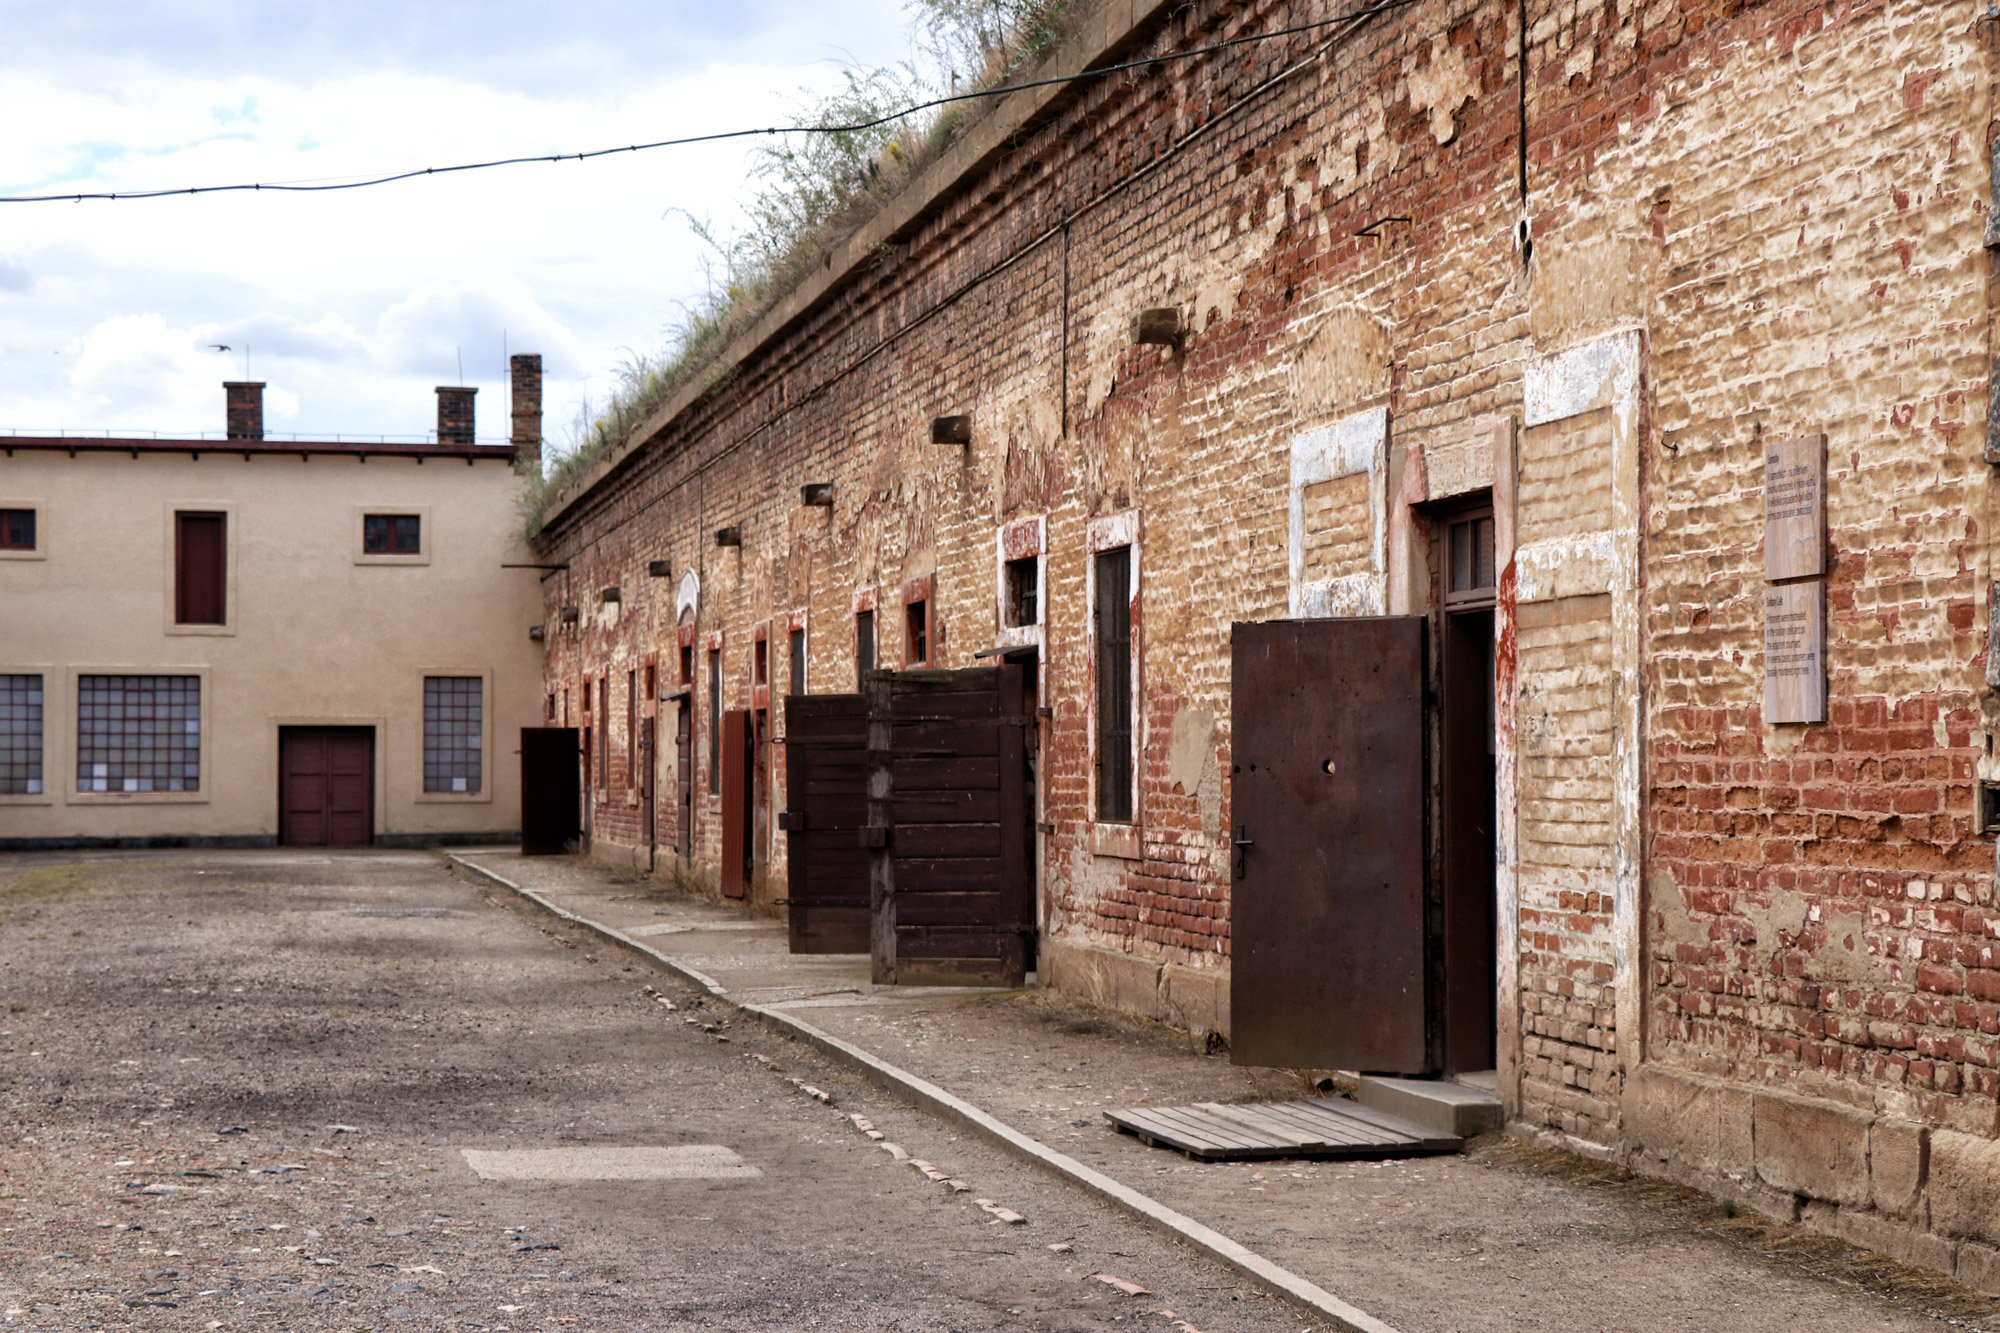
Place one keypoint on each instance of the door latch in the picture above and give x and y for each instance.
(1242, 843)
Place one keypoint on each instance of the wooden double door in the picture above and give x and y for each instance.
(326, 786)
(910, 828)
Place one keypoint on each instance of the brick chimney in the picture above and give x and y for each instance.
(525, 369)
(455, 414)
(246, 409)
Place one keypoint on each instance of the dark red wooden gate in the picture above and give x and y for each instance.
(951, 889)
(736, 798)
(826, 806)
(326, 786)
(1327, 918)
(551, 790)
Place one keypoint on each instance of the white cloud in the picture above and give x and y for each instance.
(354, 305)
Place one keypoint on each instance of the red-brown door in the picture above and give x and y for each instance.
(326, 786)
(1327, 912)
(736, 796)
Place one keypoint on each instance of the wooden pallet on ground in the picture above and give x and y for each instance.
(1321, 1127)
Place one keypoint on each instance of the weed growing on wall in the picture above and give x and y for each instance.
(811, 191)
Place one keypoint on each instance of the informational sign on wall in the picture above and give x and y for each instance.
(1795, 653)
(1795, 508)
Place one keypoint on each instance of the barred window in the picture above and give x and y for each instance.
(451, 733)
(20, 735)
(138, 733)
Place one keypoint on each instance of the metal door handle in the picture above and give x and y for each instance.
(1243, 842)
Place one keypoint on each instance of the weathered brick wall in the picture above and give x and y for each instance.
(1813, 178)
(1782, 199)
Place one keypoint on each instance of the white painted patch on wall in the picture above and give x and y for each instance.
(693, 1161)
(1359, 443)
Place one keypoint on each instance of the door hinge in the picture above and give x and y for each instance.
(875, 835)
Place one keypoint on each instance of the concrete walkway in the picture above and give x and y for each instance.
(1503, 1238)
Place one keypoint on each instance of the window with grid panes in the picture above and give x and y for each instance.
(453, 715)
(138, 733)
(20, 735)
(795, 682)
(17, 529)
(392, 534)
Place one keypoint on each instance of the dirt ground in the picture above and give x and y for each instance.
(235, 1087)
(1505, 1237)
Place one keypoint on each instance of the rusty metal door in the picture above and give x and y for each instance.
(551, 794)
(1327, 916)
(951, 888)
(736, 779)
(826, 806)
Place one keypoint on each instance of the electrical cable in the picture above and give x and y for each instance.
(1353, 16)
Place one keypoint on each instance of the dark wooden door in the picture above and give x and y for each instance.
(684, 778)
(649, 793)
(951, 888)
(326, 786)
(736, 779)
(826, 807)
(1327, 916)
(551, 790)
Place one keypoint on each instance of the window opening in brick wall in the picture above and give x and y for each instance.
(714, 721)
(138, 733)
(1114, 684)
(392, 534)
(916, 634)
(687, 665)
(631, 728)
(795, 680)
(17, 529)
(20, 735)
(549, 713)
(201, 544)
(761, 655)
(604, 731)
(453, 718)
(864, 646)
(652, 680)
(1023, 603)
(1469, 575)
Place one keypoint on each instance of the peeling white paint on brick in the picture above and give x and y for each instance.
(1359, 443)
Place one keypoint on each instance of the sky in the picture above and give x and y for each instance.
(354, 306)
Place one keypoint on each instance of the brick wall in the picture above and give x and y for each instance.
(1782, 199)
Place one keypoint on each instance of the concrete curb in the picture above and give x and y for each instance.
(1279, 1281)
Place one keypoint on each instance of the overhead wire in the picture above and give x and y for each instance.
(771, 131)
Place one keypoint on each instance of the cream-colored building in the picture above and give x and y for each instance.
(245, 641)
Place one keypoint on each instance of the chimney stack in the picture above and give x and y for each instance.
(246, 409)
(526, 371)
(455, 414)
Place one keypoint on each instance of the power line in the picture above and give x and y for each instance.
(321, 187)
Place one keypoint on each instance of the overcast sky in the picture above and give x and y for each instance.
(354, 306)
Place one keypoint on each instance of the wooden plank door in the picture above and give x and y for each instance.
(826, 807)
(551, 790)
(1327, 914)
(951, 888)
(737, 776)
(326, 786)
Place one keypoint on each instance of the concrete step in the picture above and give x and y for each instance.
(1449, 1108)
